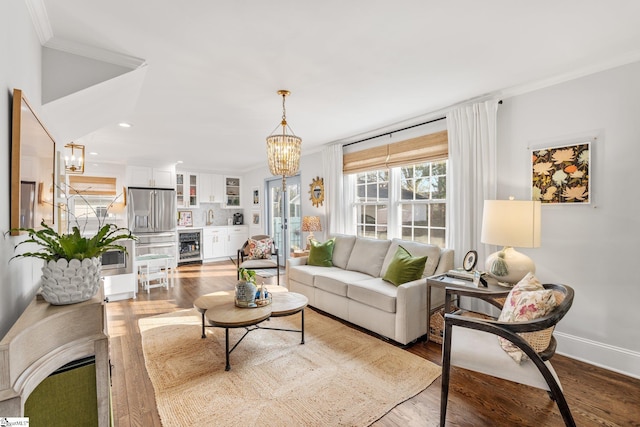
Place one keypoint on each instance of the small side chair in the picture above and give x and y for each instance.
(245, 261)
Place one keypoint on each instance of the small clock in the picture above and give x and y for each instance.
(470, 260)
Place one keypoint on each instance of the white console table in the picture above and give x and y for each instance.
(46, 337)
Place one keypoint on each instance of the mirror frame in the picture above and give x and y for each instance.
(19, 136)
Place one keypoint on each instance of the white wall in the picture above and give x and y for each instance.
(310, 168)
(590, 247)
(19, 68)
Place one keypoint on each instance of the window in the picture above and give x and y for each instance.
(423, 192)
(416, 210)
(372, 197)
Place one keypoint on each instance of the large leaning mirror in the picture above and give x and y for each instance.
(32, 166)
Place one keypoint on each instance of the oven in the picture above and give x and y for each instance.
(190, 245)
(117, 261)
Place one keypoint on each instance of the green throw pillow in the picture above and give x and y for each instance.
(404, 268)
(320, 254)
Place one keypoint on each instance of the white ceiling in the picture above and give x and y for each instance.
(214, 67)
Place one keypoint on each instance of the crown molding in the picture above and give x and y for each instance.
(40, 20)
(619, 61)
(96, 53)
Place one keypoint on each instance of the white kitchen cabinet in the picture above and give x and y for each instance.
(211, 188)
(214, 243)
(187, 192)
(238, 234)
(144, 176)
(120, 286)
(232, 192)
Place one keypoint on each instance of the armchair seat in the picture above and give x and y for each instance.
(489, 358)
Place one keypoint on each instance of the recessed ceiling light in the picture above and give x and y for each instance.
(179, 162)
(124, 124)
(93, 153)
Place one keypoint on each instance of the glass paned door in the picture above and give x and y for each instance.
(284, 215)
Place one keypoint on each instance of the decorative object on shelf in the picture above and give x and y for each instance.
(185, 218)
(510, 223)
(316, 191)
(311, 224)
(72, 267)
(74, 159)
(562, 174)
(255, 196)
(470, 260)
(283, 149)
(246, 289)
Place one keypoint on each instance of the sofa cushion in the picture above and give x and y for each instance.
(375, 293)
(404, 268)
(342, 250)
(336, 280)
(304, 273)
(416, 249)
(320, 254)
(368, 255)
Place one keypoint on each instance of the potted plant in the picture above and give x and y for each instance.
(71, 272)
(246, 289)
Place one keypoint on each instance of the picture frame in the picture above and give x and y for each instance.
(470, 260)
(255, 218)
(185, 218)
(255, 196)
(561, 174)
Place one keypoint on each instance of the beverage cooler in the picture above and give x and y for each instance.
(190, 246)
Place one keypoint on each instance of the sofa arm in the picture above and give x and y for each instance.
(296, 261)
(446, 261)
(411, 311)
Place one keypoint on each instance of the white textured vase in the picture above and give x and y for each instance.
(70, 282)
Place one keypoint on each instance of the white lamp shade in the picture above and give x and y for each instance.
(511, 223)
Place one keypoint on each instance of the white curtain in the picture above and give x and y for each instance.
(471, 177)
(334, 190)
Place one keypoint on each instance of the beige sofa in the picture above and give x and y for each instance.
(353, 289)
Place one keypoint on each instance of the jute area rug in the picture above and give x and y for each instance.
(339, 377)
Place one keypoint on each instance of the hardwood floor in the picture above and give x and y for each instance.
(597, 397)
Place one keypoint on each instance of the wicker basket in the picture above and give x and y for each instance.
(436, 324)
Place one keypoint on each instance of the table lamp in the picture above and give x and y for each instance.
(510, 223)
(311, 224)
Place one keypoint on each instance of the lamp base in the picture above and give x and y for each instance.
(509, 265)
(310, 237)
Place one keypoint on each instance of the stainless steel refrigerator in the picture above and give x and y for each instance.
(151, 213)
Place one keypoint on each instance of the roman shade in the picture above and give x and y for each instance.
(426, 148)
(92, 185)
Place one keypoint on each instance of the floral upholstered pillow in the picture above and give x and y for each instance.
(528, 300)
(259, 249)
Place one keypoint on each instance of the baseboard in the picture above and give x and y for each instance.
(617, 359)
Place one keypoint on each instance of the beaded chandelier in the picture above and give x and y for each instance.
(283, 148)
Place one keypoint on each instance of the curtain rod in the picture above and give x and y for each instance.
(400, 130)
(395, 131)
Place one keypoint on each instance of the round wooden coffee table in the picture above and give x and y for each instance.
(220, 311)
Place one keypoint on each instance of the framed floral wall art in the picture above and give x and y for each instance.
(562, 174)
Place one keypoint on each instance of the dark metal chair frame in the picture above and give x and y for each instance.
(508, 331)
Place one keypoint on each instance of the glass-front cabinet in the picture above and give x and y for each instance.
(232, 192)
(187, 195)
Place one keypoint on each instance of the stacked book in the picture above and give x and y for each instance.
(460, 273)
